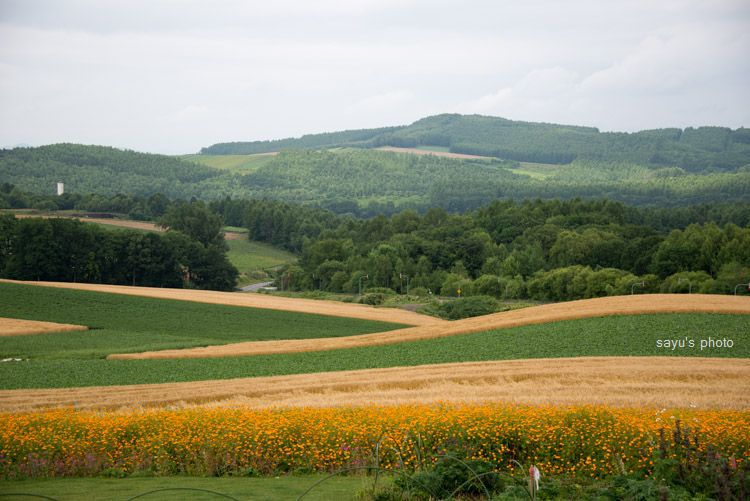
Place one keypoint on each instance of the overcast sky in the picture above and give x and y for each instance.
(172, 76)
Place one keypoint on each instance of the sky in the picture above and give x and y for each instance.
(169, 76)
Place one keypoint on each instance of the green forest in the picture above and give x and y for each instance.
(360, 182)
(542, 250)
(693, 149)
(192, 254)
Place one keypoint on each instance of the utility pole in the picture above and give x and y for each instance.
(401, 276)
(365, 277)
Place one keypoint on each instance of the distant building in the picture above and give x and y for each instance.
(60, 189)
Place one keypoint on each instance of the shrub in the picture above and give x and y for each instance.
(465, 307)
(372, 298)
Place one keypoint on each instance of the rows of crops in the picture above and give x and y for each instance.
(69, 357)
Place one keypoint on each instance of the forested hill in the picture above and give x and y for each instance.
(361, 137)
(363, 182)
(106, 171)
(702, 149)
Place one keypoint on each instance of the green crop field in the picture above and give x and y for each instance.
(122, 323)
(239, 164)
(253, 257)
(607, 336)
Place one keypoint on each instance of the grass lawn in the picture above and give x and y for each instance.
(122, 323)
(262, 488)
(634, 335)
(249, 257)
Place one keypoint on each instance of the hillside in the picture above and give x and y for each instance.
(692, 149)
(347, 172)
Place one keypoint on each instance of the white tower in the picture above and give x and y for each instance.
(60, 189)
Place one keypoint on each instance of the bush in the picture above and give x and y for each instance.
(465, 307)
(451, 475)
(418, 292)
(372, 298)
(380, 290)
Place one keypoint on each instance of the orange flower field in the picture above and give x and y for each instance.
(587, 440)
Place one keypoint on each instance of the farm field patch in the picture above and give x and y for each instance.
(130, 323)
(633, 335)
(17, 327)
(712, 383)
(262, 301)
(586, 308)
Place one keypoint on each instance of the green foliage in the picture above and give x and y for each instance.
(545, 250)
(465, 307)
(366, 182)
(450, 476)
(608, 336)
(691, 149)
(105, 171)
(324, 140)
(71, 251)
(195, 220)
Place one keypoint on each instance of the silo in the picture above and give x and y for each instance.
(60, 189)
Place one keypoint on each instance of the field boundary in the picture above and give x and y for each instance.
(572, 310)
(659, 382)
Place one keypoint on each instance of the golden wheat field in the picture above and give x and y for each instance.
(19, 327)
(708, 383)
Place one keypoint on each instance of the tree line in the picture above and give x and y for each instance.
(191, 255)
(546, 250)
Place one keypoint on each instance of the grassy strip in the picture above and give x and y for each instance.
(253, 257)
(634, 335)
(132, 324)
(263, 488)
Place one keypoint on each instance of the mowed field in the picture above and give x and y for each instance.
(541, 356)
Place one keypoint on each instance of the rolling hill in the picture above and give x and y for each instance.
(692, 149)
(347, 172)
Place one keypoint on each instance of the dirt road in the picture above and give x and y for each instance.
(125, 223)
(618, 381)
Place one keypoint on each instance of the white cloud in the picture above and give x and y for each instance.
(162, 75)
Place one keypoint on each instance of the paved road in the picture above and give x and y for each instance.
(255, 287)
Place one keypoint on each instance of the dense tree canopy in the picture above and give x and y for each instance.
(71, 251)
(550, 250)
